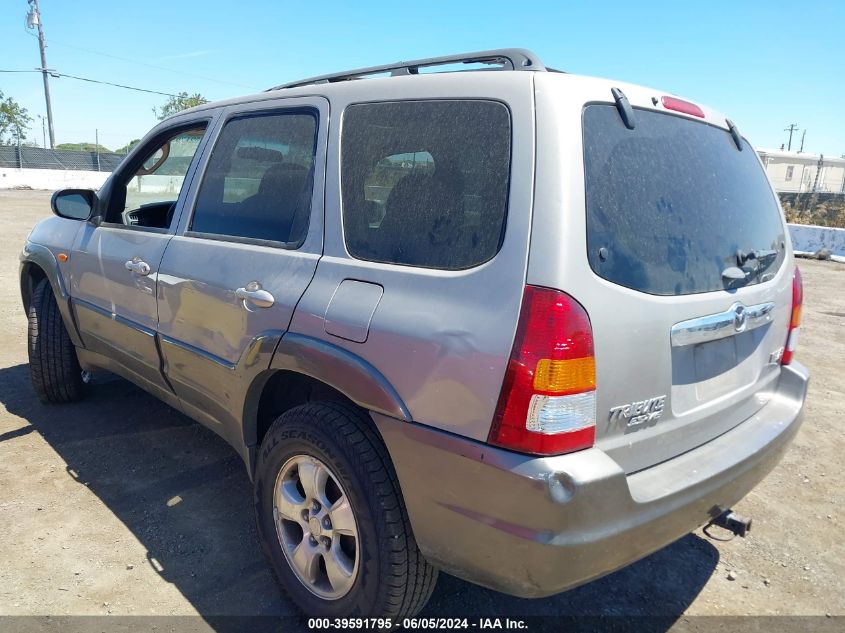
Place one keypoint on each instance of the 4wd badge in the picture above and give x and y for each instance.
(639, 412)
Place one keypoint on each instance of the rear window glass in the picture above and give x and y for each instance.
(672, 202)
(425, 183)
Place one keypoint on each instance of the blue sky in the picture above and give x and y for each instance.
(766, 64)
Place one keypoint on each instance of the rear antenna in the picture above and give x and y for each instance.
(624, 107)
(735, 134)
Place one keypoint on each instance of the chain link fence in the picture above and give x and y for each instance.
(20, 157)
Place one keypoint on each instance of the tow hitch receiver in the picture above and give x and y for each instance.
(733, 522)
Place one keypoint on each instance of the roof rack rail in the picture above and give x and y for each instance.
(504, 58)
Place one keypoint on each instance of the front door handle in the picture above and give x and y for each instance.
(253, 294)
(137, 266)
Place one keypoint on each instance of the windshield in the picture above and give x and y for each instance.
(674, 208)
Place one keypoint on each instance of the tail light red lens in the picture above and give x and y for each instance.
(795, 318)
(547, 405)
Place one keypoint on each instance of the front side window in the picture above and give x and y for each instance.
(149, 195)
(259, 179)
(425, 183)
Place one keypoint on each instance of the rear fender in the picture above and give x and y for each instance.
(349, 374)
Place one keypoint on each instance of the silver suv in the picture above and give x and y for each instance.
(521, 326)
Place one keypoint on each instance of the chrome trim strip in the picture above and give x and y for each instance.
(738, 318)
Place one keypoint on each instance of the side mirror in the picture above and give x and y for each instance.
(73, 204)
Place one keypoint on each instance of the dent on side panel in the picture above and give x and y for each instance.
(221, 390)
(215, 346)
(100, 328)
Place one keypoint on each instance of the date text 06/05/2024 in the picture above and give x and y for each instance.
(417, 623)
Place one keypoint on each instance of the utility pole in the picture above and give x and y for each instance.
(818, 172)
(802, 140)
(34, 19)
(792, 127)
(43, 132)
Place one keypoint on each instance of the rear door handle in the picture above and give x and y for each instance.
(738, 318)
(253, 294)
(138, 267)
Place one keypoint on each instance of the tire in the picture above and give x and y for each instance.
(391, 578)
(53, 365)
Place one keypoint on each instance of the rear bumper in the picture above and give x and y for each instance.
(533, 527)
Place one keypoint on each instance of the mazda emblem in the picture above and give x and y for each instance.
(740, 318)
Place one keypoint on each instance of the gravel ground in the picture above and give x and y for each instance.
(120, 505)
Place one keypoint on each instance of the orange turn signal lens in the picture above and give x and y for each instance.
(565, 376)
(796, 316)
(62, 257)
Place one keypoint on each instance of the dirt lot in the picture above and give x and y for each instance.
(121, 505)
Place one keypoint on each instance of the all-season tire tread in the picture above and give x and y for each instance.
(408, 578)
(53, 366)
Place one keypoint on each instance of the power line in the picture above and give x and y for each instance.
(54, 73)
(148, 65)
(108, 83)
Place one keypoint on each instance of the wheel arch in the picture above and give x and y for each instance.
(31, 275)
(37, 263)
(305, 369)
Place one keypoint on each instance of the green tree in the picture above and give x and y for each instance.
(84, 147)
(180, 102)
(14, 121)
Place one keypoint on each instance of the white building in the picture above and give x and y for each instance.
(798, 172)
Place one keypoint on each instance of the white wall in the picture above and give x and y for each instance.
(51, 179)
(154, 184)
(810, 239)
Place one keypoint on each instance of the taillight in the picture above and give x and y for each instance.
(679, 105)
(795, 318)
(547, 405)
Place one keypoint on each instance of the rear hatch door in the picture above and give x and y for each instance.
(687, 347)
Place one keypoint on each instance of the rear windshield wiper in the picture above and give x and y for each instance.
(750, 263)
(763, 257)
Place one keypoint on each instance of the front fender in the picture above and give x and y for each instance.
(43, 258)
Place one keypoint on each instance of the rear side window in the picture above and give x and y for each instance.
(671, 202)
(258, 182)
(425, 183)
